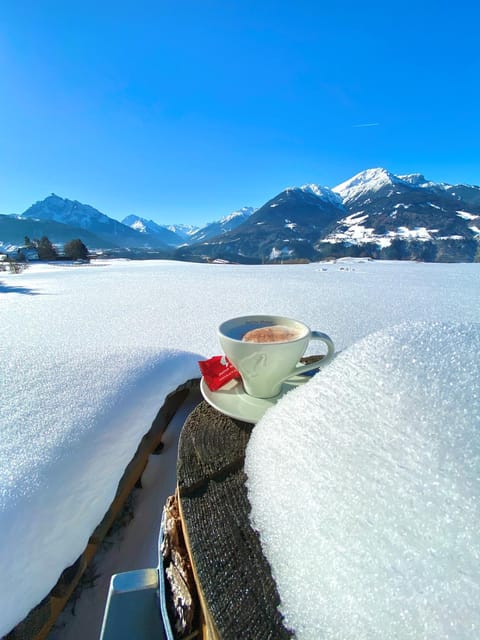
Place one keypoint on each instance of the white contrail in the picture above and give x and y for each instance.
(368, 124)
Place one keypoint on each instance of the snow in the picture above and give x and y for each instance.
(364, 487)
(8, 248)
(365, 181)
(67, 435)
(357, 233)
(66, 211)
(135, 545)
(467, 216)
(354, 218)
(183, 229)
(418, 180)
(323, 192)
(89, 353)
(138, 225)
(244, 212)
(275, 253)
(419, 233)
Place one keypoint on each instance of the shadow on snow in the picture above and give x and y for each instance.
(5, 288)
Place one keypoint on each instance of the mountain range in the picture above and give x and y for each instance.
(373, 213)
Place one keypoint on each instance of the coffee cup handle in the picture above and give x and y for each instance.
(316, 335)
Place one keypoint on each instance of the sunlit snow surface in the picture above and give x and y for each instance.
(365, 486)
(89, 353)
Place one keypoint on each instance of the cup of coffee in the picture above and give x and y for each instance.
(266, 350)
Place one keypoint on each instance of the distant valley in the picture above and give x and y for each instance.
(374, 213)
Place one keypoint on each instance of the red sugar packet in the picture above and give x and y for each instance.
(217, 371)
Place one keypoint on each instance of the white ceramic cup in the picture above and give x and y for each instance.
(264, 366)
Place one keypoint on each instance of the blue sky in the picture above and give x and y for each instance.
(185, 111)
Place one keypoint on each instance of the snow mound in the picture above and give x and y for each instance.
(364, 486)
(66, 441)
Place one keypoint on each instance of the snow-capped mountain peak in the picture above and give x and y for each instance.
(149, 227)
(368, 180)
(139, 225)
(224, 225)
(244, 212)
(66, 211)
(183, 230)
(419, 180)
(322, 192)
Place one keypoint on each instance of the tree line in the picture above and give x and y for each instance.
(73, 250)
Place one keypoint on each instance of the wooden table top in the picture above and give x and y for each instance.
(238, 595)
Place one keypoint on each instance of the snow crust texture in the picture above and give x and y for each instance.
(365, 487)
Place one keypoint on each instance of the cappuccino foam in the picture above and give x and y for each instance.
(273, 333)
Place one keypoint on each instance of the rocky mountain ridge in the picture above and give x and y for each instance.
(373, 213)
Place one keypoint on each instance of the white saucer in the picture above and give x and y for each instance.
(234, 402)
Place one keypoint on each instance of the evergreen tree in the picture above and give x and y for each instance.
(75, 250)
(46, 250)
(477, 254)
(426, 251)
(398, 250)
